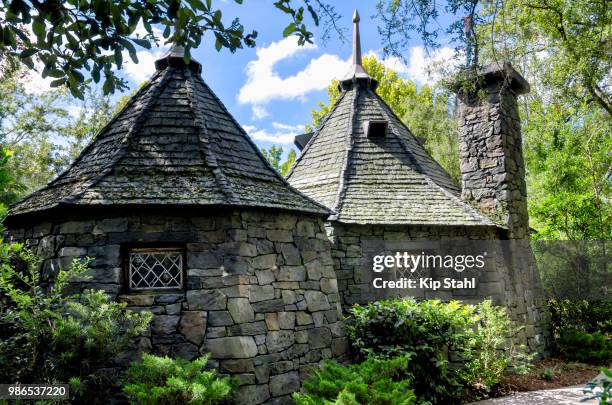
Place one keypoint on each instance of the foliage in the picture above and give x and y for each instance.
(374, 381)
(72, 38)
(423, 330)
(49, 335)
(601, 388)
(582, 329)
(583, 315)
(487, 354)
(162, 380)
(42, 131)
(274, 155)
(567, 38)
(425, 111)
(568, 164)
(428, 331)
(548, 373)
(585, 347)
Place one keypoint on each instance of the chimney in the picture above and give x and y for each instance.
(490, 147)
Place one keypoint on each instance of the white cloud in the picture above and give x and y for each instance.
(422, 68)
(284, 133)
(145, 68)
(264, 84)
(287, 127)
(259, 112)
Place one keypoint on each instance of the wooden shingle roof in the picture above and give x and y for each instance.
(174, 143)
(376, 180)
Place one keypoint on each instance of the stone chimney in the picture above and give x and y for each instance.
(490, 149)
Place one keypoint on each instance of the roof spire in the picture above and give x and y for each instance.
(357, 72)
(356, 40)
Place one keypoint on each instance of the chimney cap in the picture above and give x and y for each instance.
(503, 70)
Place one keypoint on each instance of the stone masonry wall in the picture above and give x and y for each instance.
(491, 156)
(505, 282)
(261, 293)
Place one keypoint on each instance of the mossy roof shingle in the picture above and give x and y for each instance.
(388, 180)
(174, 143)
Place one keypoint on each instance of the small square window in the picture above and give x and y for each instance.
(155, 269)
(375, 128)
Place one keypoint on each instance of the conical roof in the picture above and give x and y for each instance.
(384, 179)
(174, 143)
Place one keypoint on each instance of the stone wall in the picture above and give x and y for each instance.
(507, 280)
(490, 148)
(261, 293)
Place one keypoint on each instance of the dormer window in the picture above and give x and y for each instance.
(155, 268)
(375, 128)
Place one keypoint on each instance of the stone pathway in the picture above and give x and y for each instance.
(562, 396)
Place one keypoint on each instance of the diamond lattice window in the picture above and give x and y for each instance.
(155, 269)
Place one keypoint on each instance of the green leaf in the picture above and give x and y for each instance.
(289, 30)
(314, 15)
(26, 53)
(57, 82)
(38, 27)
(145, 43)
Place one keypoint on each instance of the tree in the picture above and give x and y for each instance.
(274, 155)
(73, 38)
(571, 35)
(40, 132)
(427, 112)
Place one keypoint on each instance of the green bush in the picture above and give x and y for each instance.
(583, 315)
(51, 336)
(582, 329)
(375, 382)
(487, 354)
(585, 347)
(428, 331)
(162, 380)
(425, 331)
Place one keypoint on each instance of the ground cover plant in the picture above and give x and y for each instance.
(374, 381)
(162, 380)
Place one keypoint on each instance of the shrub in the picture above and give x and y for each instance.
(52, 336)
(582, 329)
(375, 382)
(583, 315)
(162, 380)
(487, 353)
(428, 332)
(585, 347)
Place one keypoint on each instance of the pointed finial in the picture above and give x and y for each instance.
(356, 40)
(357, 73)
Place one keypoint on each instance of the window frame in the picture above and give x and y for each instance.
(129, 250)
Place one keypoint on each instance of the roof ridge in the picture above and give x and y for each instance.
(350, 143)
(319, 129)
(137, 122)
(204, 140)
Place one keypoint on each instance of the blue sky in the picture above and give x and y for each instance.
(271, 89)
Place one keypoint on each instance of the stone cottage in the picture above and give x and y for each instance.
(367, 167)
(185, 218)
